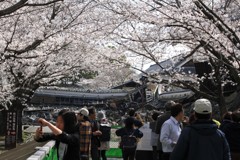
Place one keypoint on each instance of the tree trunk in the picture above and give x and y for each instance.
(221, 102)
(2, 123)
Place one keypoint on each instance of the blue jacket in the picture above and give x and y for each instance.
(201, 141)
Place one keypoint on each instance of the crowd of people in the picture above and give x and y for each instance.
(174, 136)
(197, 137)
(86, 133)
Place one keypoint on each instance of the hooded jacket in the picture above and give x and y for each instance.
(201, 141)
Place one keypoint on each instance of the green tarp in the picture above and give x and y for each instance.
(111, 153)
(114, 153)
(52, 155)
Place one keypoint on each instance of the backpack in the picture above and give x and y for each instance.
(128, 141)
(106, 133)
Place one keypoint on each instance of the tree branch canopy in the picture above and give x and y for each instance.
(23, 3)
(13, 8)
(43, 4)
(219, 23)
(32, 46)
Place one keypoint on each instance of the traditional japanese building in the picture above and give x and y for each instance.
(73, 97)
(187, 65)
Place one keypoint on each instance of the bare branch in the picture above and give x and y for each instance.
(219, 23)
(231, 68)
(42, 4)
(196, 90)
(23, 3)
(13, 8)
(30, 47)
(227, 3)
(13, 33)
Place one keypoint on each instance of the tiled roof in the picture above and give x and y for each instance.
(68, 93)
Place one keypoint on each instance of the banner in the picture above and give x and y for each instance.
(11, 130)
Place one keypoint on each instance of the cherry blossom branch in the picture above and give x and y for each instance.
(195, 90)
(23, 3)
(233, 71)
(219, 23)
(43, 4)
(30, 47)
(13, 8)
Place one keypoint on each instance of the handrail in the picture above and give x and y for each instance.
(47, 152)
(42, 152)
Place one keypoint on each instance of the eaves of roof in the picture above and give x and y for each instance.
(84, 95)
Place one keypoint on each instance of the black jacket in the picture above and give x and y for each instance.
(201, 141)
(160, 120)
(95, 142)
(232, 133)
(71, 140)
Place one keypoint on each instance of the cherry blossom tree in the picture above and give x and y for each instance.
(42, 42)
(45, 42)
(208, 30)
(113, 68)
(37, 46)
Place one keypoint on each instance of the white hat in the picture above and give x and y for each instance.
(83, 111)
(202, 106)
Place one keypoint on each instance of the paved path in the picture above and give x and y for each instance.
(22, 152)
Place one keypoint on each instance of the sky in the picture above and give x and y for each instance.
(168, 52)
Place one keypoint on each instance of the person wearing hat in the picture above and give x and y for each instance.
(201, 140)
(85, 132)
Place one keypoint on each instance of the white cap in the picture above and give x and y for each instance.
(83, 111)
(203, 106)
